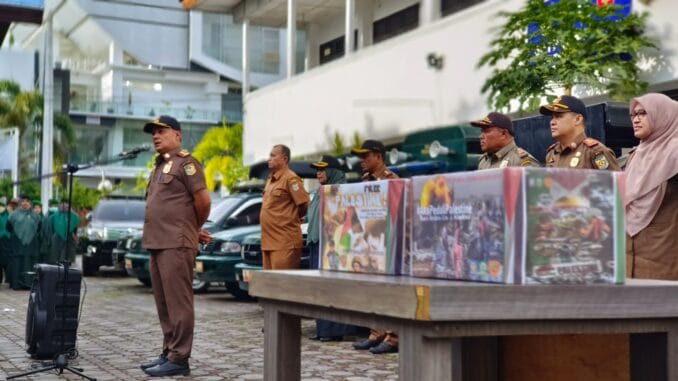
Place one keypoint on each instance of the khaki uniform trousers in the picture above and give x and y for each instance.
(282, 259)
(172, 278)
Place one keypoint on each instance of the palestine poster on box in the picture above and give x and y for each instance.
(362, 226)
(575, 226)
(461, 228)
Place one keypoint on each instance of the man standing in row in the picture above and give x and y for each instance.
(285, 202)
(177, 205)
(572, 148)
(25, 244)
(498, 144)
(372, 153)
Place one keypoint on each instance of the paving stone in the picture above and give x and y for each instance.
(119, 330)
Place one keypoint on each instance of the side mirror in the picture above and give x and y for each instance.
(231, 222)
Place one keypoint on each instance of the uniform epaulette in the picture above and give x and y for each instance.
(522, 153)
(591, 142)
(183, 153)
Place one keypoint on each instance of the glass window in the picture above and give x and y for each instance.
(92, 144)
(119, 211)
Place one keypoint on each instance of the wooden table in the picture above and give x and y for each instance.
(439, 322)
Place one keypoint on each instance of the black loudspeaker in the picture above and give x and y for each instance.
(52, 317)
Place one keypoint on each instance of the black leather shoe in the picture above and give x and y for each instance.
(365, 344)
(325, 339)
(384, 347)
(316, 338)
(160, 360)
(169, 368)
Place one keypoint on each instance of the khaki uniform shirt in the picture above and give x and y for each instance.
(170, 220)
(582, 153)
(380, 174)
(280, 215)
(509, 156)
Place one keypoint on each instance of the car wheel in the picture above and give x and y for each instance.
(200, 286)
(89, 267)
(237, 292)
(146, 282)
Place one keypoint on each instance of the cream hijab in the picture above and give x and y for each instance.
(654, 162)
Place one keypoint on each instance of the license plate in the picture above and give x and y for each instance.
(198, 267)
(128, 263)
(246, 275)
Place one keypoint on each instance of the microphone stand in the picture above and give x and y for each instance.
(60, 362)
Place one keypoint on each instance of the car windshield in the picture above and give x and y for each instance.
(223, 208)
(119, 211)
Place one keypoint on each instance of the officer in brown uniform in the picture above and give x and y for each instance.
(573, 149)
(177, 204)
(372, 153)
(285, 202)
(498, 145)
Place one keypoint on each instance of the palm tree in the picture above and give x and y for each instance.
(24, 110)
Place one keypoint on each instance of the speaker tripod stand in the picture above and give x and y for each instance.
(60, 362)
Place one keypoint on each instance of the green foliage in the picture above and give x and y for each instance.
(23, 109)
(83, 197)
(30, 188)
(220, 151)
(585, 57)
(338, 145)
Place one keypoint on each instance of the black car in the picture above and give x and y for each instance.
(110, 221)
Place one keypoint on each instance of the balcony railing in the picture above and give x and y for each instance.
(122, 109)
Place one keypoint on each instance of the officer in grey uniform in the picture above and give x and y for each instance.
(498, 144)
(572, 148)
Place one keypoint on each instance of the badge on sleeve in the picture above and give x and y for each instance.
(295, 186)
(601, 161)
(190, 169)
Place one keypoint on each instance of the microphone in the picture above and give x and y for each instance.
(135, 150)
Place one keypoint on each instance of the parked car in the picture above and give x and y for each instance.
(234, 211)
(109, 221)
(252, 259)
(216, 261)
(136, 258)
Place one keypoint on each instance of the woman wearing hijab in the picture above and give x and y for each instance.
(58, 232)
(651, 200)
(24, 225)
(4, 239)
(328, 172)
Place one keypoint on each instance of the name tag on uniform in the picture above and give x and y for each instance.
(167, 167)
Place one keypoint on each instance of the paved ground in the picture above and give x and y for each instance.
(119, 329)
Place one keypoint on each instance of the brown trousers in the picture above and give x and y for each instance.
(172, 277)
(282, 259)
(389, 337)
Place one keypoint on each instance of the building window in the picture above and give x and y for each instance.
(447, 7)
(331, 50)
(395, 24)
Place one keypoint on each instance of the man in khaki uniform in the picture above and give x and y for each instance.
(285, 202)
(498, 145)
(177, 204)
(372, 153)
(573, 149)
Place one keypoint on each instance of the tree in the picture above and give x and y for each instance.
(23, 109)
(220, 151)
(338, 145)
(552, 45)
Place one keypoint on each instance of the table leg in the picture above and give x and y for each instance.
(282, 346)
(424, 358)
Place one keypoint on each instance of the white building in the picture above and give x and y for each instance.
(121, 63)
(389, 85)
